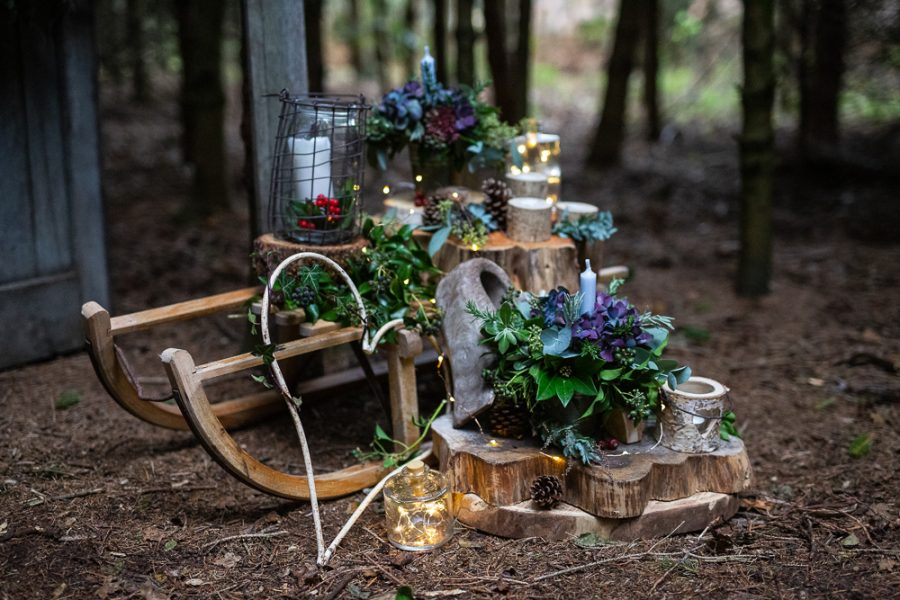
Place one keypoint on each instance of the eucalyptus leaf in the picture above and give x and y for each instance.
(438, 239)
(556, 341)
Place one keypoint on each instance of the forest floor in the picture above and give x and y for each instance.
(94, 503)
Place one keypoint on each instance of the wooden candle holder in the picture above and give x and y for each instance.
(529, 219)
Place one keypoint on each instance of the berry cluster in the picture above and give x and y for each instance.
(609, 444)
(328, 207)
(303, 296)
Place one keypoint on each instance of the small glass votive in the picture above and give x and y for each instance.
(418, 508)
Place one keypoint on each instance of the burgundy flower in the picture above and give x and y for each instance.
(440, 124)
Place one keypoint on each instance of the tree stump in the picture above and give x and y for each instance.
(532, 266)
(269, 251)
(613, 496)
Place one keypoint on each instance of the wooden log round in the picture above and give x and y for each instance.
(692, 414)
(621, 487)
(269, 252)
(529, 219)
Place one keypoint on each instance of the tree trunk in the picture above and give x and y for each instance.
(439, 49)
(821, 76)
(606, 147)
(203, 102)
(651, 69)
(312, 10)
(520, 63)
(355, 45)
(134, 11)
(465, 43)
(382, 42)
(757, 152)
(410, 18)
(498, 57)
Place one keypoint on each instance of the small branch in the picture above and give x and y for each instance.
(335, 592)
(245, 536)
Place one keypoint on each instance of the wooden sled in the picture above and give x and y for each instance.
(112, 369)
(187, 380)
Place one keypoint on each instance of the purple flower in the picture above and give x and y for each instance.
(615, 325)
(413, 89)
(465, 113)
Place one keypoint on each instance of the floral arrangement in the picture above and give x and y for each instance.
(396, 279)
(449, 215)
(565, 366)
(451, 125)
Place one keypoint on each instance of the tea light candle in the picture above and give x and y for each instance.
(588, 288)
(407, 211)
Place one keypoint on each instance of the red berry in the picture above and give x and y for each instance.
(420, 199)
(613, 443)
(333, 201)
(321, 197)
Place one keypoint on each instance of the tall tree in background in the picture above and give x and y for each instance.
(410, 18)
(509, 68)
(439, 44)
(200, 24)
(355, 35)
(134, 15)
(606, 147)
(820, 74)
(312, 14)
(757, 149)
(381, 28)
(465, 43)
(651, 69)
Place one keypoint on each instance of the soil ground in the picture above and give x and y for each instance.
(94, 503)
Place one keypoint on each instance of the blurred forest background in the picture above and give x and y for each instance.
(619, 80)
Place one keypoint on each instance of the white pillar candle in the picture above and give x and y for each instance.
(588, 285)
(312, 166)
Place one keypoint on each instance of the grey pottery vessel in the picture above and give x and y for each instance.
(483, 283)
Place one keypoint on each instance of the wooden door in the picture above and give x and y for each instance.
(52, 255)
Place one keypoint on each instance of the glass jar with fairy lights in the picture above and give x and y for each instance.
(318, 168)
(534, 159)
(418, 508)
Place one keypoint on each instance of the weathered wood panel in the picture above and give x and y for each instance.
(275, 60)
(51, 216)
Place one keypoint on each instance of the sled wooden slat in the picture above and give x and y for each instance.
(221, 446)
(100, 339)
(190, 309)
(248, 360)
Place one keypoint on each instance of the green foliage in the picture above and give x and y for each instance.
(391, 452)
(727, 426)
(67, 399)
(573, 444)
(860, 446)
(395, 279)
(587, 228)
(470, 223)
(404, 593)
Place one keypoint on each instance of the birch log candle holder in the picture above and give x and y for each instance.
(529, 219)
(575, 210)
(527, 185)
(690, 420)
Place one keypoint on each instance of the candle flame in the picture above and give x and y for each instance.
(493, 443)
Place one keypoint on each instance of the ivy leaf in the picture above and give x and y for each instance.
(564, 388)
(610, 374)
(380, 434)
(67, 399)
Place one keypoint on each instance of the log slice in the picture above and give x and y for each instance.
(269, 251)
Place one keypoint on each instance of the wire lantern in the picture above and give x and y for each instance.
(318, 169)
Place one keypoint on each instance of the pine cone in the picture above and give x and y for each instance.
(546, 491)
(432, 213)
(497, 195)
